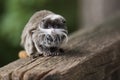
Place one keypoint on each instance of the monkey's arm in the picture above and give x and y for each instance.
(36, 37)
(28, 45)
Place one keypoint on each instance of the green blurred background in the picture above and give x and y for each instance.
(14, 14)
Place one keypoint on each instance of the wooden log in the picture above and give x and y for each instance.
(91, 54)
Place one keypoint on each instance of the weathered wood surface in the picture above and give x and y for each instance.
(91, 54)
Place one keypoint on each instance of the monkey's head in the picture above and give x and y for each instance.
(54, 30)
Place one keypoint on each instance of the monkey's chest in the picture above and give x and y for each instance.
(51, 40)
(55, 38)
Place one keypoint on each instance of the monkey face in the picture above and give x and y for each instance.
(53, 21)
(54, 29)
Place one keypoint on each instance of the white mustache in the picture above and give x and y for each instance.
(60, 32)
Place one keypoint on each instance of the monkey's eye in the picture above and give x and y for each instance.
(59, 25)
(47, 26)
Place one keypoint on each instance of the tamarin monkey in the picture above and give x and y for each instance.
(44, 34)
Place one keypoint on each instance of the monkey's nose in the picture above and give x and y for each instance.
(53, 32)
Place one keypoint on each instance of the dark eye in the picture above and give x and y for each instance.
(45, 25)
(59, 25)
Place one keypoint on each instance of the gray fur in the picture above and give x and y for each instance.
(34, 40)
